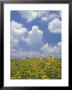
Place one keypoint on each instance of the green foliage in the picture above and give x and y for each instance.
(36, 68)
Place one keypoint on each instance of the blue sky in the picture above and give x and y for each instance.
(35, 33)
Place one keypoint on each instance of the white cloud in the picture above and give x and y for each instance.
(44, 15)
(29, 15)
(46, 51)
(32, 38)
(33, 14)
(35, 37)
(45, 48)
(59, 44)
(50, 17)
(51, 50)
(17, 28)
(17, 33)
(44, 18)
(21, 54)
(54, 26)
(54, 15)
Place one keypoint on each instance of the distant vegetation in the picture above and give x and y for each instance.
(36, 68)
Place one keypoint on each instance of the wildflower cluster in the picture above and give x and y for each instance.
(36, 68)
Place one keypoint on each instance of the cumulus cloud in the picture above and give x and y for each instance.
(32, 38)
(35, 37)
(17, 28)
(17, 33)
(44, 15)
(25, 53)
(59, 44)
(46, 50)
(29, 15)
(54, 51)
(54, 26)
(53, 18)
(44, 18)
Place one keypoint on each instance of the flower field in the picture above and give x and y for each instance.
(36, 68)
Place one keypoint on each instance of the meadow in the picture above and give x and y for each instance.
(36, 68)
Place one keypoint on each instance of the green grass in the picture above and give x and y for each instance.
(36, 68)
